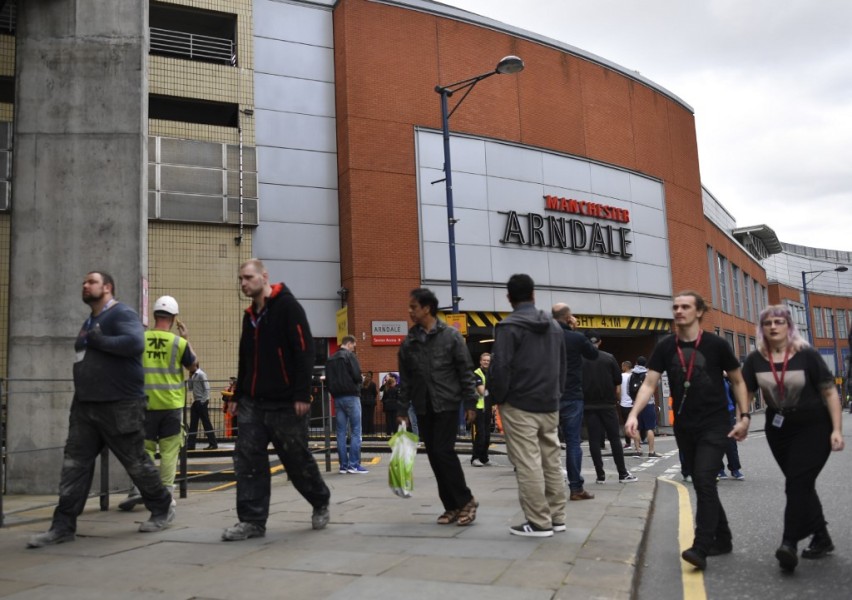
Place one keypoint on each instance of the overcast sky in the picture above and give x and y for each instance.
(770, 82)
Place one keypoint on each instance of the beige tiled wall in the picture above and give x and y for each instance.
(198, 265)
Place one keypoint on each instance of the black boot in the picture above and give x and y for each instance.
(787, 556)
(820, 545)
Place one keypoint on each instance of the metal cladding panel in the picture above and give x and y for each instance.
(290, 94)
(273, 19)
(191, 180)
(249, 210)
(190, 153)
(183, 207)
(249, 158)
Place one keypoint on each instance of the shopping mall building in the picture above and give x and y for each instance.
(167, 142)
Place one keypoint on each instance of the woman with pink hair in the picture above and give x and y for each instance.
(803, 426)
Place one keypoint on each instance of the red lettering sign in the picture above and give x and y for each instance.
(589, 209)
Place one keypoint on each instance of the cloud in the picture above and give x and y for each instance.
(770, 84)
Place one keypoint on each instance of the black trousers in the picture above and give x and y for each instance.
(600, 423)
(702, 448)
(289, 436)
(120, 426)
(198, 412)
(368, 419)
(438, 433)
(390, 422)
(482, 433)
(801, 447)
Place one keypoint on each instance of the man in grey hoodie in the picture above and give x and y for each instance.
(527, 377)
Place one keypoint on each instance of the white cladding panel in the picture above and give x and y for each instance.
(298, 235)
(515, 178)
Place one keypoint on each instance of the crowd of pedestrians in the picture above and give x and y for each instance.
(542, 379)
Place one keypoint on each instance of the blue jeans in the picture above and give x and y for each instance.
(571, 422)
(348, 409)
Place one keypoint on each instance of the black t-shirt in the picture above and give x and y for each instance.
(806, 373)
(706, 399)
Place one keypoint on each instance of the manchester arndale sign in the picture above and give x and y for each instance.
(568, 233)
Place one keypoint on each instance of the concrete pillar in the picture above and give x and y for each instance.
(79, 203)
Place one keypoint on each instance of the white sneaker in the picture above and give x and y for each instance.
(629, 478)
(477, 463)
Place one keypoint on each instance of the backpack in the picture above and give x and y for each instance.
(635, 382)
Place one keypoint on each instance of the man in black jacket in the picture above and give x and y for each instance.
(108, 409)
(601, 392)
(436, 374)
(343, 375)
(577, 347)
(273, 397)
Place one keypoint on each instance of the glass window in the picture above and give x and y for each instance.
(752, 343)
(842, 329)
(724, 285)
(735, 281)
(758, 305)
(729, 337)
(829, 323)
(819, 329)
(742, 350)
(714, 289)
(748, 298)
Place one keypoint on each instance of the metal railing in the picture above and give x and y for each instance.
(193, 46)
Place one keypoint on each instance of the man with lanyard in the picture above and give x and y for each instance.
(695, 361)
(165, 356)
(107, 410)
(482, 423)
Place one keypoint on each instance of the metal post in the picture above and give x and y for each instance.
(448, 182)
(326, 425)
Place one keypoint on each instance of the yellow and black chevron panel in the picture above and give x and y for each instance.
(651, 325)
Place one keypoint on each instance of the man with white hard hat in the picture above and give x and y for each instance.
(163, 361)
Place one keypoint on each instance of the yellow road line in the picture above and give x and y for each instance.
(691, 578)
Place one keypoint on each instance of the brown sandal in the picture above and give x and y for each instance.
(467, 515)
(449, 516)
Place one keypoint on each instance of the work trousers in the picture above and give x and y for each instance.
(801, 447)
(600, 423)
(198, 412)
(702, 448)
(118, 426)
(438, 432)
(533, 447)
(289, 436)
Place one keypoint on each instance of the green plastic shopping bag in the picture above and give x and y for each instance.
(401, 472)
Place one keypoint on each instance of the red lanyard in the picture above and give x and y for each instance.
(687, 370)
(780, 380)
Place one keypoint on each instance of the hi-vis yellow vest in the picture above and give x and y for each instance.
(480, 401)
(164, 384)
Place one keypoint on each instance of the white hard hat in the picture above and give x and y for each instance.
(166, 304)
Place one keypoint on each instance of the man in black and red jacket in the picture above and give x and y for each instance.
(273, 397)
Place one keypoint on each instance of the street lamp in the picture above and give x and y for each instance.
(507, 66)
(805, 281)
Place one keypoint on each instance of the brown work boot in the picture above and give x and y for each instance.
(581, 495)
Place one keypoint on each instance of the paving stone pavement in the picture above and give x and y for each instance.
(377, 546)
